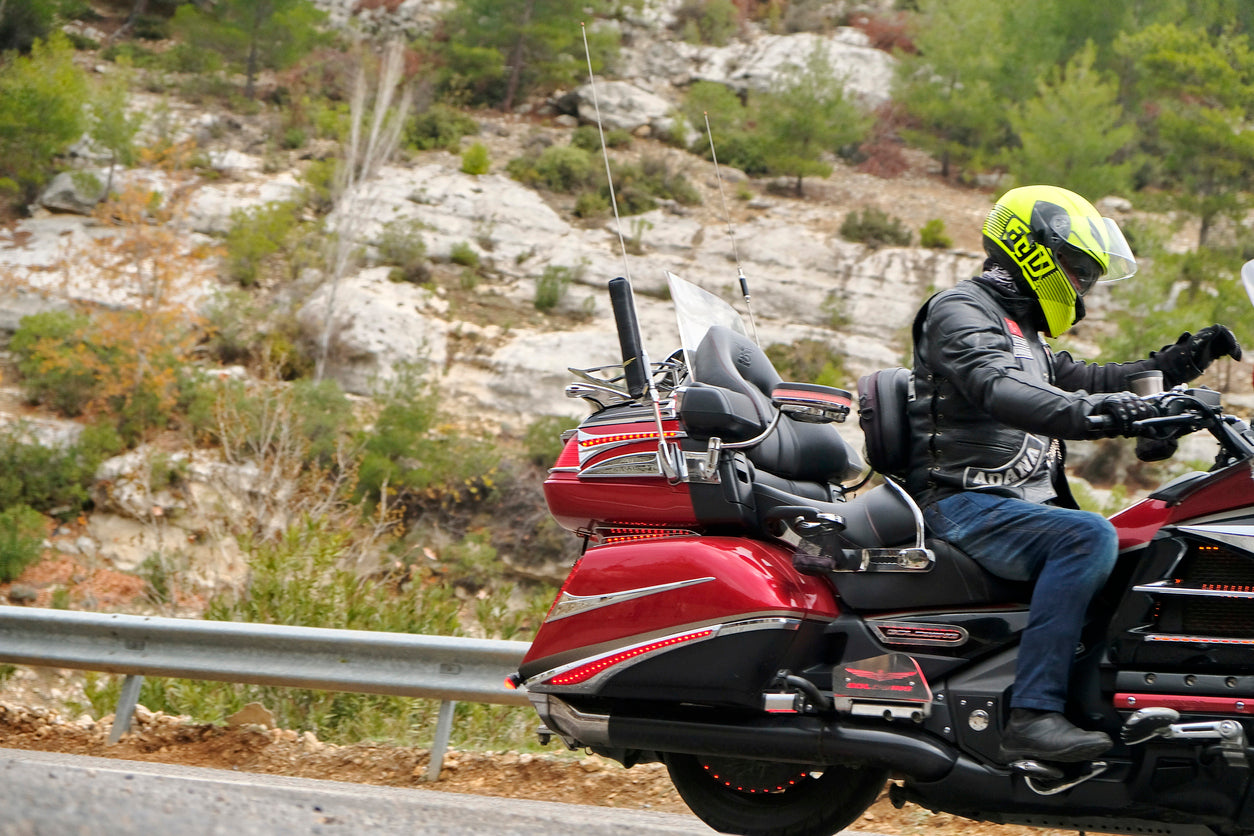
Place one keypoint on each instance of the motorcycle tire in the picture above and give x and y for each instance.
(764, 798)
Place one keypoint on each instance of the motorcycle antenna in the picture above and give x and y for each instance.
(731, 233)
(635, 360)
(592, 82)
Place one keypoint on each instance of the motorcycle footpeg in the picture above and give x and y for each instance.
(1148, 723)
(1048, 779)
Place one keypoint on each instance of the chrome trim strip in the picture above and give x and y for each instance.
(593, 683)
(632, 464)
(1168, 588)
(1240, 536)
(568, 604)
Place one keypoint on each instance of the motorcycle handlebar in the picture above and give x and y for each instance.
(629, 341)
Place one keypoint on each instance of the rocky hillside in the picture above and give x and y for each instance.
(497, 361)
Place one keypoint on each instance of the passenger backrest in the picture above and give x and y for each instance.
(808, 452)
(882, 399)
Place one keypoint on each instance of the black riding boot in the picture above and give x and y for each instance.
(1049, 736)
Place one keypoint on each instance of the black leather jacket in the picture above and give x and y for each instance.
(991, 400)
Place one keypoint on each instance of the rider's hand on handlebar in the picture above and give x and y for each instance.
(1123, 410)
(1211, 343)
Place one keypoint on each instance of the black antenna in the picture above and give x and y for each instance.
(636, 365)
(740, 273)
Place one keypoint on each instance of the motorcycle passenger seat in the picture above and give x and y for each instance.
(796, 450)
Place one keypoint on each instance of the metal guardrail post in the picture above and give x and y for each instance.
(127, 701)
(443, 730)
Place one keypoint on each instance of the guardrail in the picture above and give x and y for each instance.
(446, 668)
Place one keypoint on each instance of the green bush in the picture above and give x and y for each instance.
(52, 479)
(543, 439)
(254, 235)
(564, 168)
(591, 204)
(588, 138)
(401, 245)
(406, 454)
(808, 361)
(22, 532)
(933, 235)
(708, 21)
(439, 126)
(50, 350)
(475, 159)
(464, 254)
(875, 228)
(552, 285)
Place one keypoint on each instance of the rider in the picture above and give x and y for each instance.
(991, 402)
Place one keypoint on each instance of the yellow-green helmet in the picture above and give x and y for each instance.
(1057, 246)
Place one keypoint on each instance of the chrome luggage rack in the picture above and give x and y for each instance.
(605, 386)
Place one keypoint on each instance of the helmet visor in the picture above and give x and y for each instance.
(1121, 264)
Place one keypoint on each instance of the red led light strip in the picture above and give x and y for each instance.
(585, 672)
(621, 437)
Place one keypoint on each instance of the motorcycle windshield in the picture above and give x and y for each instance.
(697, 311)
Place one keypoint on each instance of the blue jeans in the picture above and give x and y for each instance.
(1069, 553)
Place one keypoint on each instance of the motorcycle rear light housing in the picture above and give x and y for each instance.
(609, 536)
(589, 441)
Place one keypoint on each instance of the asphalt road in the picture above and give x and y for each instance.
(49, 794)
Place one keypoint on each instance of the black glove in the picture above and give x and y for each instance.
(1192, 353)
(1124, 409)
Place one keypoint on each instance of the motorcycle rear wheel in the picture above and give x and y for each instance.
(763, 798)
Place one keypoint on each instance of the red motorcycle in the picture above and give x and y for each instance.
(785, 637)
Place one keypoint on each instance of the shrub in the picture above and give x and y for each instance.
(933, 235)
(875, 228)
(808, 361)
(51, 352)
(407, 456)
(588, 138)
(564, 168)
(552, 285)
(707, 21)
(22, 531)
(543, 439)
(402, 246)
(52, 479)
(439, 126)
(475, 159)
(591, 204)
(464, 254)
(255, 235)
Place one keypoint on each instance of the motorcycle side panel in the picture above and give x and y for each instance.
(1210, 494)
(620, 595)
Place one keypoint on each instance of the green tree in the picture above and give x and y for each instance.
(113, 125)
(22, 22)
(519, 46)
(1073, 130)
(1194, 90)
(41, 112)
(253, 34)
(950, 87)
(806, 116)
